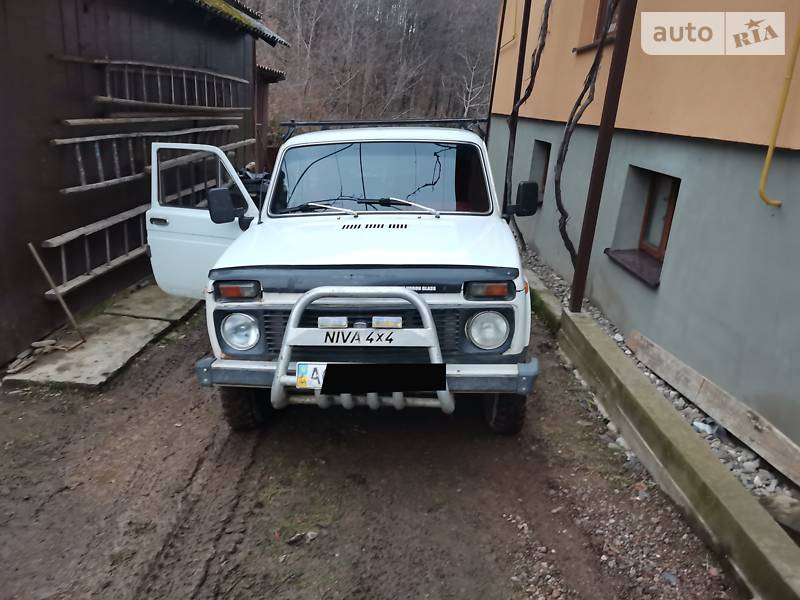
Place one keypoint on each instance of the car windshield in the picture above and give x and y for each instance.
(382, 176)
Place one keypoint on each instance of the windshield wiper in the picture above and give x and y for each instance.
(395, 201)
(307, 206)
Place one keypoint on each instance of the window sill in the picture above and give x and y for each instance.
(639, 264)
(593, 45)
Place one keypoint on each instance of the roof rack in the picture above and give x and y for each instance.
(472, 124)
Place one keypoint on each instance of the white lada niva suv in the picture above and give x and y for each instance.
(374, 267)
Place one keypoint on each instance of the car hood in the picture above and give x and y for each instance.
(457, 240)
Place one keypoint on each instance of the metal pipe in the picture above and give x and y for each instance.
(373, 401)
(322, 400)
(378, 122)
(514, 116)
(500, 32)
(53, 285)
(787, 84)
(281, 380)
(347, 401)
(627, 13)
(398, 400)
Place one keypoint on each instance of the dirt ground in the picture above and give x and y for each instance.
(141, 491)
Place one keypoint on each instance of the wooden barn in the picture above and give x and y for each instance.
(88, 85)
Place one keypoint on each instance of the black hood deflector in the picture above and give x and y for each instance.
(426, 279)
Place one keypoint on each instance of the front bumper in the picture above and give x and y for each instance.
(466, 378)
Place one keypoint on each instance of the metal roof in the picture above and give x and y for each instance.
(271, 73)
(240, 18)
(248, 10)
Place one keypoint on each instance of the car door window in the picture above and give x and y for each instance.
(186, 176)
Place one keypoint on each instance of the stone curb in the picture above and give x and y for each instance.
(683, 465)
(543, 302)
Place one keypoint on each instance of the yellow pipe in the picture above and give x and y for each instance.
(787, 83)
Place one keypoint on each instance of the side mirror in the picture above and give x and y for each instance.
(527, 199)
(222, 210)
(220, 205)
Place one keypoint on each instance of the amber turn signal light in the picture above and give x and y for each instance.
(237, 290)
(489, 291)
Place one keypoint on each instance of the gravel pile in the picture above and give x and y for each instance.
(535, 570)
(752, 471)
(654, 551)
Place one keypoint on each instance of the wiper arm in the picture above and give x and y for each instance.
(395, 201)
(314, 205)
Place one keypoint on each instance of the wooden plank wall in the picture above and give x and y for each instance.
(39, 91)
(764, 438)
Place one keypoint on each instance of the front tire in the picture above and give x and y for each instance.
(504, 413)
(244, 408)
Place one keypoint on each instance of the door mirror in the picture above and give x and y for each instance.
(527, 199)
(220, 205)
(222, 209)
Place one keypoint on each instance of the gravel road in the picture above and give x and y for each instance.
(142, 492)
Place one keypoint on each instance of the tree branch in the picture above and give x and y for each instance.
(514, 116)
(585, 98)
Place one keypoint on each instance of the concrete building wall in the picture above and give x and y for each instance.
(727, 302)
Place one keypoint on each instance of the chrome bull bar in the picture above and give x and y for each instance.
(294, 334)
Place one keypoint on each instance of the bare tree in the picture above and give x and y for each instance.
(474, 81)
(381, 58)
(582, 102)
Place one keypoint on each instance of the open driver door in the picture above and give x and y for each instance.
(187, 181)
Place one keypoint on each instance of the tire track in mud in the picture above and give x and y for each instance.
(187, 498)
(192, 546)
(158, 471)
(132, 549)
(222, 530)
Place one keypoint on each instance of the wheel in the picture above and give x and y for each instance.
(244, 408)
(505, 413)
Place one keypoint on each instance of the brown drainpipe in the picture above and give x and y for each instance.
(494, 73)
(627, 12)
(514, 117)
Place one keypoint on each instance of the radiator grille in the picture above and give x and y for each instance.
(449, 327)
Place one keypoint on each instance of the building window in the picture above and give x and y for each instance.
(540, 163)
(658, 215)
(592, 23)
(649, 202)
(602, 9)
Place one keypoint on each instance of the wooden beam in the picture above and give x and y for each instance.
(162, 106)
(141, 134)
(101, 184)
(62, 239)
(188, 191)
(136, 120)
(742, 421)
(82, 280)
(150, 65)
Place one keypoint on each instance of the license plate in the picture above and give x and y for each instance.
(358, 337)
(358, 378)
(310, 375)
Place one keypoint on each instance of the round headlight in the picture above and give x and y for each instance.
(487, 330)
(240, 331)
